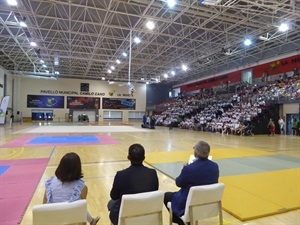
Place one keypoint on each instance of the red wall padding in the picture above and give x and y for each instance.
(272, 68)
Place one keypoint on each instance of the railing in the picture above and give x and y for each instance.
(283, 100)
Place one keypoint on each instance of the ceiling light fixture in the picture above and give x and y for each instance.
(283, 27)
(137, 40)
(150, 25)
(23, 24)
(12, 2)
(171, 3)
(209, 2)
(247, 42)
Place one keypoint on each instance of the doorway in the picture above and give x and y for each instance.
(289, 122)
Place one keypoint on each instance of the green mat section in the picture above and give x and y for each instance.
(256, 184)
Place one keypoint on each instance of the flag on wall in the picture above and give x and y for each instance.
(3, 108)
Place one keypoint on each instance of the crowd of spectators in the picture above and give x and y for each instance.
(233, 114)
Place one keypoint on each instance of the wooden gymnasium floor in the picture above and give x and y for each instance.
(101, 161)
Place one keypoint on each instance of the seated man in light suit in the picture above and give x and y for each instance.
(201, 171)
(137, 178)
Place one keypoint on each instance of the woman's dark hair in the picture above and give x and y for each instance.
(136, 154)
(69, 168)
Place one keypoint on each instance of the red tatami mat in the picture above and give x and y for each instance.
(17, 186)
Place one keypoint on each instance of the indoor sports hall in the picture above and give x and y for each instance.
(260, 173)
(92, 77)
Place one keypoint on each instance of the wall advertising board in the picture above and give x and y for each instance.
(118, 103)
(83, 103)
(45, 101)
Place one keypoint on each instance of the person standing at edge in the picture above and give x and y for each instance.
(135, 179)
(281, 125)
(201, 171)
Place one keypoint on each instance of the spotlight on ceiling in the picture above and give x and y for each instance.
(283, 27)
(12, 2)
(171, 3)
(23, 24)
(137, 40)
(173, 73)
(209, 2)
(150, 25)
(247, 42)
(34, 44)
(118, 61)
(184, 67)
(124, 54)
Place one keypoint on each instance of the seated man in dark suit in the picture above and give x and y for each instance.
(135, 179)
(201, 171)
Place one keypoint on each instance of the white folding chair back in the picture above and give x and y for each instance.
(142, 209)
(60, 213)
(203, 202)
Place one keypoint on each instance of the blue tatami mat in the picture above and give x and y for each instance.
(64, 139)
(3, 169)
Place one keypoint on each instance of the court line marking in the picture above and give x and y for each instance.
(17, 154)
(10, 154)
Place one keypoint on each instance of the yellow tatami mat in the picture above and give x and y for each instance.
(216, 153)
(257, 195)
(262, 186)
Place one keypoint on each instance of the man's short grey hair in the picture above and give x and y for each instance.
(202, 149)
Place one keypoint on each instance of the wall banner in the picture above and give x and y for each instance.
(45, 101)
(118, 103)
(83, 103)
(3, 108)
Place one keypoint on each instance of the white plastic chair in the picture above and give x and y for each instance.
(141, 209)
(203, 202)
(60, 213)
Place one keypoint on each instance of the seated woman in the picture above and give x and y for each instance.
(67, 185)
